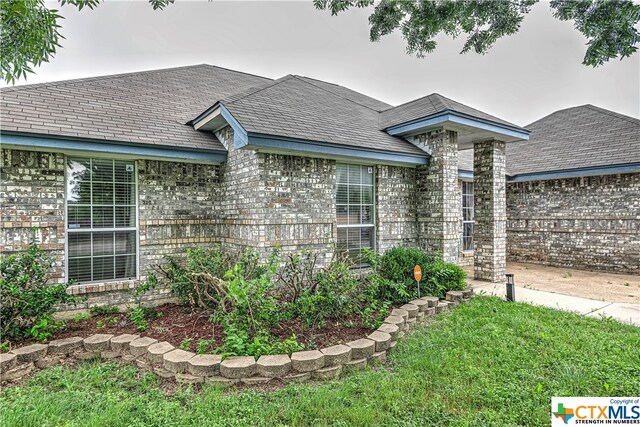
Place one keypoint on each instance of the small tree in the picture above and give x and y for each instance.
(26, 296)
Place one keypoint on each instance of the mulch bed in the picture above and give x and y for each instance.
(178, 322)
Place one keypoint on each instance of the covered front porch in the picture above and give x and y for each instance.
(439, 213)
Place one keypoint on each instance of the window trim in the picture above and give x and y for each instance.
(110, 229)
(374, 205)
(472, 222)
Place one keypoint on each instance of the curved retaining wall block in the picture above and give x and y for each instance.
(169, 362)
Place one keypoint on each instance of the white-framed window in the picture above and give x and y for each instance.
(101, 220)
(355, 209)
(467, 216)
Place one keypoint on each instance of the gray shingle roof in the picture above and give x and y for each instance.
(428, 105)
(299, 108)
(578, 137)
(153, 107)
(347, 93)
(148, 107)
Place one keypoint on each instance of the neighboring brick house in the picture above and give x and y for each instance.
(573, 192)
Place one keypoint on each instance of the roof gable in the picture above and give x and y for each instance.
(430, 105)
(294, 107)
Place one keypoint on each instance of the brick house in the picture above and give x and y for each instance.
(115, 172)
(573, 191)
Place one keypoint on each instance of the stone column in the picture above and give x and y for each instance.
(490, 231)
(439, 214)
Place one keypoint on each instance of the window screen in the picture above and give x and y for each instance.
(355, 209)
(101, 220)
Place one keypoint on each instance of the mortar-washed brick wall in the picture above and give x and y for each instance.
(298, 202)
(253, 200)
(277, 200)
(590, 223)
(179, 206)
(396, 207)
(32, 189)
(241, 197)
(439, 201)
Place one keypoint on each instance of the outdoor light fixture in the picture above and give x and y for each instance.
(511, 288)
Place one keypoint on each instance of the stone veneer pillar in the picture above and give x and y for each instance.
(490, 231)
(439, 198)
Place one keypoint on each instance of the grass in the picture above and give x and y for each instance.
(487, 363)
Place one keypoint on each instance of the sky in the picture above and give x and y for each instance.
(523, 77)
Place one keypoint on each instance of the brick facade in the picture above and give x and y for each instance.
(591, 223)
(253, 199)
(439, 197)
(490, 210)
(178, 205)
(396, 204)
(32, 189)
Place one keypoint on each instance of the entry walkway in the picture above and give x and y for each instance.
(628, 313)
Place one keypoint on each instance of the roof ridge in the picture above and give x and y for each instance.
(251, 92)
(302, 78)
(612, 113)
(590, 107)
(347, 88)
(57, 83)
(408, 102)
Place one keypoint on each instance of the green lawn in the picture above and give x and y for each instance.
(487, 363)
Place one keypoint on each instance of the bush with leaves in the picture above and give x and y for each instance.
(392, 275)
(27, 299)
(440, 277)
(333, 294)
(197, 280)
(139, 314)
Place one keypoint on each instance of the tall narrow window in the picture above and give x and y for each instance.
(101, 220)
(355, 209)
(467, 216)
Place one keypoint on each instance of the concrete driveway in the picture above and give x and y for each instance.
(592, 294)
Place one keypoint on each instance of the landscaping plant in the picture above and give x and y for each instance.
(139, 314)
(27, 298)
(393, 274)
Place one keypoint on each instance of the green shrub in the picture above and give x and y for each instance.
(393, 279)
(440, 277)
(185, 344)
(196, 279)
(335, 293)
(79, 317)
(397, 264)
(27, 300)
(45, 326)
(139, 315)
(238, 342)
(249, 301)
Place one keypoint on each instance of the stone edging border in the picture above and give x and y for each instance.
(169, 362)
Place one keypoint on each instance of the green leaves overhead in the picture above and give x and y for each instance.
(29, 33)
(28, 36)
(607, 25)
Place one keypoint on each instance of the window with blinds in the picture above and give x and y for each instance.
(468, 220)
(355, 209)
(101, 220)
